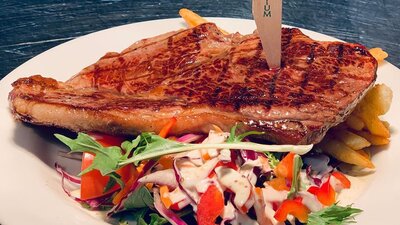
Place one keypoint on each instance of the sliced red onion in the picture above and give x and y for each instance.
(248, 155)
(94, 203)
(185, 202)
(73, 179)
(135, 186)
(317, 181)
(203, 171)
(178, 178)
(64, 174)
(162, 177)
(189, 138)
(166, 213)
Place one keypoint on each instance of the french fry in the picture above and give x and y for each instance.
(373, 139)
(355, 122)
(364, 153)
(351, 139)
(386, 124)
(193, 19)
(342, 152)
(377, 100)
(373, 123)
(378, 54)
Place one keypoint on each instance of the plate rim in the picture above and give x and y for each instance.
(13, 74)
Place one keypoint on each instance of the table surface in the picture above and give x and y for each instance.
(30, 27)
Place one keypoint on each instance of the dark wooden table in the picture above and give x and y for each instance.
(30, 27)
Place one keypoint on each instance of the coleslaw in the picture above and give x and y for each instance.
(221, 178)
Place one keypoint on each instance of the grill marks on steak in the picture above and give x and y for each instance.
(148, 63)
(203, 77)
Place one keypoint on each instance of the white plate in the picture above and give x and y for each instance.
(30, 191)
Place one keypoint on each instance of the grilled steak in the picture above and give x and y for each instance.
(203, 77)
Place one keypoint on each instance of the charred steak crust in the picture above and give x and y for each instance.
(203, 77)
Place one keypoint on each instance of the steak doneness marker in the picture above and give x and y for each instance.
(268, 17)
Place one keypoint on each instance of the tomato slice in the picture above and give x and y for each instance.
(93, 183)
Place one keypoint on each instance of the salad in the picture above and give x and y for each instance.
(221, 178)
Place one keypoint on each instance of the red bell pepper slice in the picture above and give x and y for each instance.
(342, 178)
(325, 194)
(229, 164)
(93, 183)
(293, 207)
(285, 167)
(210, 206)
(279, 184)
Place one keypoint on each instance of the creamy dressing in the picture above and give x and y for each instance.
(236, 182)
(177, 195)
(191, 175)
(214, 138)
(229, 212)
(162, 177)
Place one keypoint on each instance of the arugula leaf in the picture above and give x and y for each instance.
(128, 146)
(155, 219)
(141, 198)
(157, 146)
(148, 146)
(297, 164)
(106, 159)
(333, 215)
(145, 139)
(114, 178)
(132, 217)
(233, 138)
(152, 143)
(141, 221)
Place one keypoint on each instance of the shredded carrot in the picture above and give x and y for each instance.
(206, 156)
(149, 185)
(166, 161)
(124, 191)
(167, 128)
(217, 129)
(164, 194)
(258, 191)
